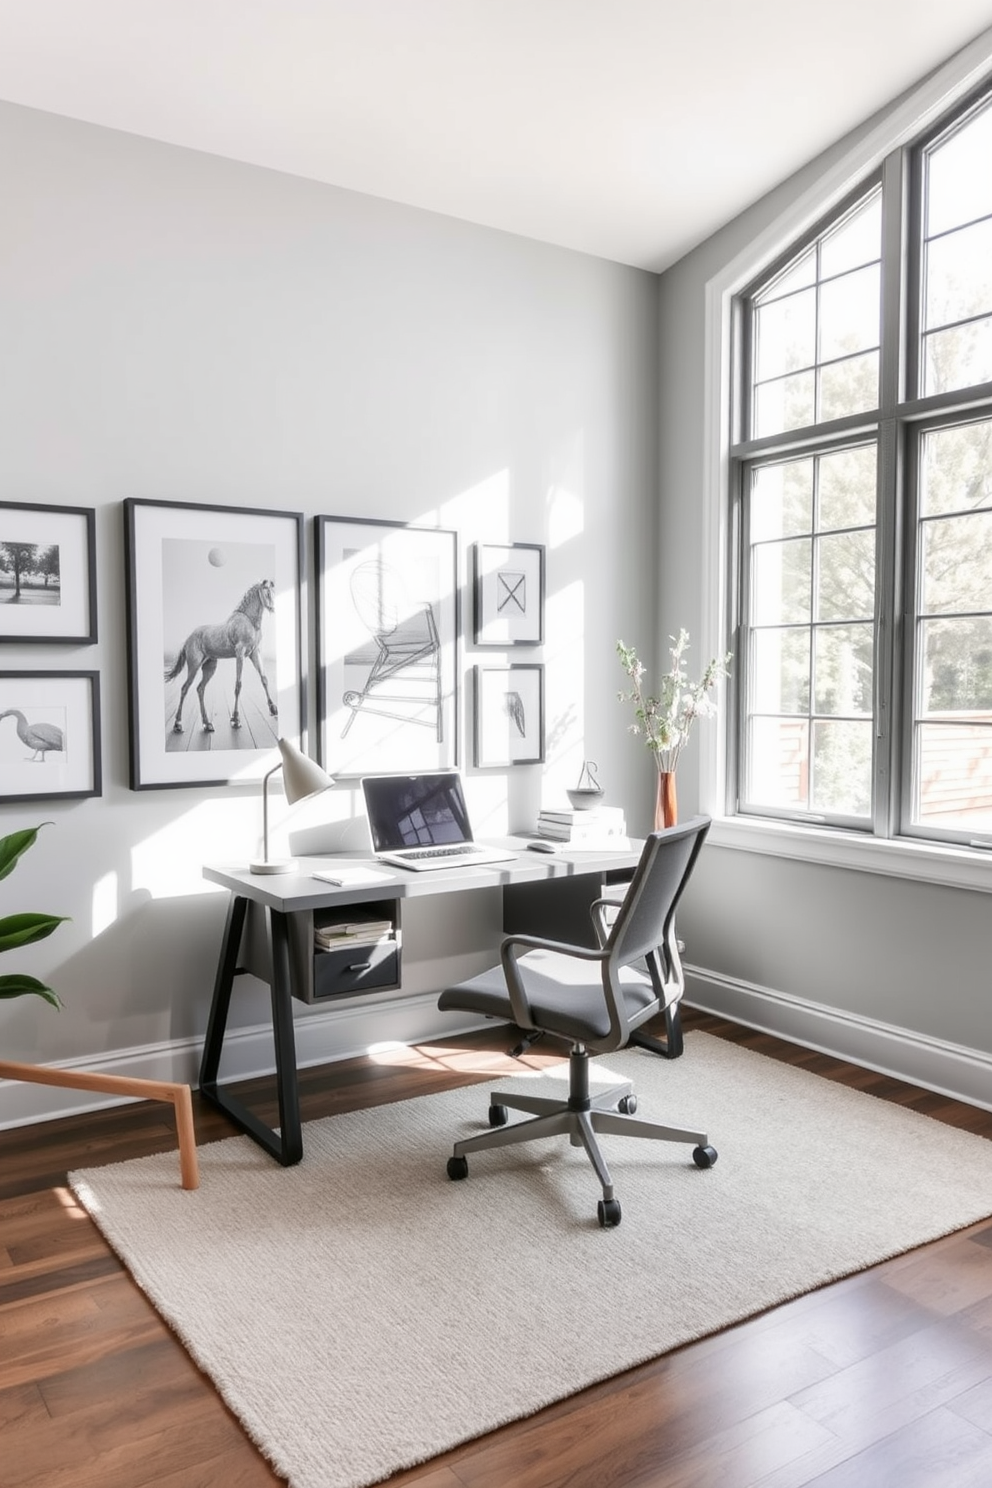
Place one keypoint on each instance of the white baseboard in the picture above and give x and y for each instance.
(934, 1064)
(344, 1031)
(322, 1037)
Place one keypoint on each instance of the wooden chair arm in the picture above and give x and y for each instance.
(177, 1095)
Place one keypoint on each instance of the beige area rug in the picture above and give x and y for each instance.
(361, 1313)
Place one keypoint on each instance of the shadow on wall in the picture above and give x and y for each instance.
(166, 951)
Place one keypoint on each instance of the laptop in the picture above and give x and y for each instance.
(421, 822)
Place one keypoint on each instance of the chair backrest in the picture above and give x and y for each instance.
(644, 921)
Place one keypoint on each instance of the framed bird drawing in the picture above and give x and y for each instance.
(49, 735)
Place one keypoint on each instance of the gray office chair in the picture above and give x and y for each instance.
(596, 998)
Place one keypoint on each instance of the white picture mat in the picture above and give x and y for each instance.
(69, 531)
(421, 569)
(65, 702)
(209, 597)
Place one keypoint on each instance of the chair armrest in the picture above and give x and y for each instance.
(598, 910)
(514, 946)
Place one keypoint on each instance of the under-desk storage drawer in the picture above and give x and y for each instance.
(333, 951)
(355, 969)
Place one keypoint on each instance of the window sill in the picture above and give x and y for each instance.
(926, 862)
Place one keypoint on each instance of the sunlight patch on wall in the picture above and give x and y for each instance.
(566, 516)
(169, 862)
(565, 736)
(105, 903)
(483, 510)
(565, 496)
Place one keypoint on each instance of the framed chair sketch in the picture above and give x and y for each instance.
(215, 669)
(509, 715)
(387, 624)
(47, 573)
(509, 594)
(49, 735)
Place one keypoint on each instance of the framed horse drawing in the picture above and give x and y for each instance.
(215, 648)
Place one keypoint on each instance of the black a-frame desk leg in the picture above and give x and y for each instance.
(286, 1143)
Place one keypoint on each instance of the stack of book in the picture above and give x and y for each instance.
(352, 933)
(598, 827)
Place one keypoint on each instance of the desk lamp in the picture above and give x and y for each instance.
(302, 777)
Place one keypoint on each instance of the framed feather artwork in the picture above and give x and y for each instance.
(509, 715)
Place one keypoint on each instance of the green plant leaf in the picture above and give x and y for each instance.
(19, 985)
(15, 845)
(23, 929)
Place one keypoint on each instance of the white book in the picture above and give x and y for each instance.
(570, 814)
(581, 831)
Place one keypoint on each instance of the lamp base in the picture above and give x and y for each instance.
(273, 865)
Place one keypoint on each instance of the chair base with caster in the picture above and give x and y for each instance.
(579, 1118)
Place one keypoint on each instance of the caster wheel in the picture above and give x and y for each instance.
(627, 1105)
(457, 1168)
(704, 1157)
(498, 1115)
(609, 1214)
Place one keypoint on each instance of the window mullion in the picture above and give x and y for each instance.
(893, 368)
(889, 621)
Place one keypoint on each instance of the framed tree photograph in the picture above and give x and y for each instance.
(215, 659)
(509, 715)
(509, 594)
(49, 735)
(387, 629)
(47, 573)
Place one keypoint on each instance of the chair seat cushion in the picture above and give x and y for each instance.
(565, 994)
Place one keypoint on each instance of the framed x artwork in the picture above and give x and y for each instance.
(509, 594)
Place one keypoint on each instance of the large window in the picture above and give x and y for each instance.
(863, 477)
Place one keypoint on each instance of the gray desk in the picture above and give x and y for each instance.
(283, 907)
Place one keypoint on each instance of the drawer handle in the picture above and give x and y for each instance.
(359, 966)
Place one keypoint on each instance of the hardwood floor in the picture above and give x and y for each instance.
(882, 1379)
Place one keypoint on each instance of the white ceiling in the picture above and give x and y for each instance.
(630, 129)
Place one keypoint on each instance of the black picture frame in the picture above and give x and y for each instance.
(52, 595)
(52, 749)
(213, 573)
(387, 637)
(509, 715)
(508, 592)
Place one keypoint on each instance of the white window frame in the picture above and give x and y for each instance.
(930, 862)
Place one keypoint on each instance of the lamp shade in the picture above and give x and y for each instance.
(301, 776)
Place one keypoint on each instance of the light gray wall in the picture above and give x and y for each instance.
(180, 327)
(911, 957)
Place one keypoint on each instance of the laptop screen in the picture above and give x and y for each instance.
(416, 810)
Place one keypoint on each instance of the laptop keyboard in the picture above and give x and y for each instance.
(438, 852)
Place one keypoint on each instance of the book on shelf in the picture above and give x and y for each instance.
(354, 933)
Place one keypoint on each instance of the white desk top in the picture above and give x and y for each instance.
(288, 892)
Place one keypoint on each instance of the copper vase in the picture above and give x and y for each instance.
(666, 806)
